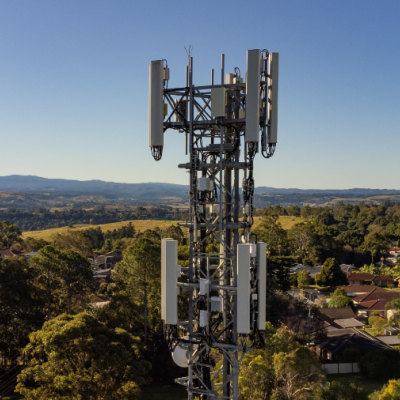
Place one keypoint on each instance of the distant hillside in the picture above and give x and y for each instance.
(138, 190)
(355, 191)
(32, 192)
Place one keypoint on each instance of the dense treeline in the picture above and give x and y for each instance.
(43, 218)
(46, 307)
(352, 234)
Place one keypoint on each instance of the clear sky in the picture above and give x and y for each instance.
(74, 86)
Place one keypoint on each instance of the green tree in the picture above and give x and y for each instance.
(108, 245)
(331, 274)
(303, 279)
(256, 379)
(9, 233)
(299, 373)
(381, 365)
(375, 243)
(278, 271)
(139, 271)
(340, 302)
(34, 244)
(47, 267)
(300, 238)
(20, 306)
(341, 391)
(271, 232)
(391, 391)
(173, 232)
(73, 240)
(339, 292)
(394, 305)
(76, 273)
(78, 357)
(282, 369)
(350, 238)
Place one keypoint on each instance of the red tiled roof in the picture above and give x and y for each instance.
(348, 288)
(363, 276)
(375, 305)
(376, 294)
(382, 278)
(9, 253)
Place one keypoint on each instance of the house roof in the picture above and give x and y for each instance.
(375, 305)
(9, 253)
(362, 276)
(348, 288)
(337, 313)
(348, 268)
(376, 294)
(382, 278)
(390, 340)
(340, 340)
(32, 253)
(348, 322)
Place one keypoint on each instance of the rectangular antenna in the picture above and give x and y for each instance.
(243, 288)
(253, 95)
(262, 284)
(156, 104)
(273, 98)
(169, 296)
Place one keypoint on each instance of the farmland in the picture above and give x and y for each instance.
(140, 225)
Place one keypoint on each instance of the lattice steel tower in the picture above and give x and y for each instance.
(225, 291)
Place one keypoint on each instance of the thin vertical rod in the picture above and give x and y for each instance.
(222, 69)
(192, 194)
(212, 77)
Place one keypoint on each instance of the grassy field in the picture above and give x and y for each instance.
(369, 385)
(286, 221)
(140, 225)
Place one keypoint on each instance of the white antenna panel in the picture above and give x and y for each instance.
(253, 96)
(156, 105)
(273, 98)
(262, 284)
(169, 296)
(243, 288)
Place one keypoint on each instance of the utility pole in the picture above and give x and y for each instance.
(223, 124)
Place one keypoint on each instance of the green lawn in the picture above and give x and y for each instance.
(173, 392)
(369, 385)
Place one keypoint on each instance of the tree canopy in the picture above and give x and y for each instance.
(78, 357)
(331, 274)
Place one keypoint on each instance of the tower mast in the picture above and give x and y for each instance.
(225, 126)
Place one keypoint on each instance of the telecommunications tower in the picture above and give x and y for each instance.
(225, 125)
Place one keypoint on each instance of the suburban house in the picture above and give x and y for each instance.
(394, 251)
(109, 260)
(376, 293)
(391, 330)
(352, 290)
(10, 253)
(339, 318)
(366, 308)
(363, 278)
(349, 268)
(338, 341)
(389, 340)
(312, 270)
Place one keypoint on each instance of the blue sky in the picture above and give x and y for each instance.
(74, 86)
